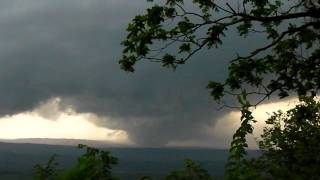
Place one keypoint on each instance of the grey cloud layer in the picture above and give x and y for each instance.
(70, 49)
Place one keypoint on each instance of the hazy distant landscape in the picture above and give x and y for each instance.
(17, 159)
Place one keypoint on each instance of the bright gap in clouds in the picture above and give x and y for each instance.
(227, 125)
(47, 121)
(221, 130)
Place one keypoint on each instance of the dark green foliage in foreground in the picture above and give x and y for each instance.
(237, 168)
(94, 164)
(47, 171)
(291, 143)
(192, 171)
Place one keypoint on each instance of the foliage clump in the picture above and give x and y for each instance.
(47, 171)
(94, 164)
(192, 171)
(290, 143)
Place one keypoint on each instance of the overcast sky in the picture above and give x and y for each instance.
(69, 49)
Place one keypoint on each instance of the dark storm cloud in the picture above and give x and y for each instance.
(69, 49)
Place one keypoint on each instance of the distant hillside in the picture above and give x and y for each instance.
(67, 142)
(17, 159)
